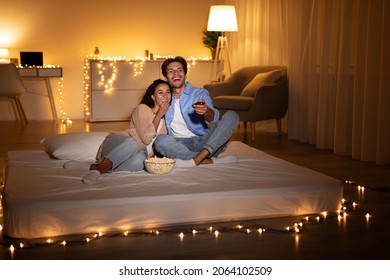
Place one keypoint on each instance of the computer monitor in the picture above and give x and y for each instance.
(31, 58)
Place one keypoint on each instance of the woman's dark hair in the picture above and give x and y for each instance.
(179, 59)
(147, 98)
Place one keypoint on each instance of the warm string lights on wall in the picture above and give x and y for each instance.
(39, 67)
(64, 118)
(348, 208)
(86, 83)
(107, 70)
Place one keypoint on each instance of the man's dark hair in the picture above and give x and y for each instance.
(179, 59)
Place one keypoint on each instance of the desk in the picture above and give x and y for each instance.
(44, 73)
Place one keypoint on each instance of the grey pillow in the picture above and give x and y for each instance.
(260, 80)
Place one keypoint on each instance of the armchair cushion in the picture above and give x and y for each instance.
(235, 103)
(260, 80)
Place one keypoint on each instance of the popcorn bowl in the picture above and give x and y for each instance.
(160, 166)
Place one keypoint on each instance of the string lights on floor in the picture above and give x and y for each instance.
(348, 208)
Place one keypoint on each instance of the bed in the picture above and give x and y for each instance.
(42, 199)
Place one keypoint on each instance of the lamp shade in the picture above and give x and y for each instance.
(222, 18)
(4, 55)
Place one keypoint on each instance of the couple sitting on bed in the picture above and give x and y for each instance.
(172, 119)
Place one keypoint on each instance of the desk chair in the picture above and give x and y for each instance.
(11, 87)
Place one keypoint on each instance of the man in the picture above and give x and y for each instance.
(189, 139)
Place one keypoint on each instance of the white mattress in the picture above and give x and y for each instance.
(41, 199)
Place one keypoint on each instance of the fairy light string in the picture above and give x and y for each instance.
(348, 208)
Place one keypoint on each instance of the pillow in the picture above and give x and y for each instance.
(260, 80)
(80, 146)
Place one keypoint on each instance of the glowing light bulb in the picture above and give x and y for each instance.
(216, 233)
(194, 231)
(63, 243)
(87, 239)
(21, 245)
(12, 248)
(49, 241)
(248, 230)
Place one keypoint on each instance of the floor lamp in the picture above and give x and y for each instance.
(222, 18)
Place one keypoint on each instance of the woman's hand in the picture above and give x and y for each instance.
(162, 109)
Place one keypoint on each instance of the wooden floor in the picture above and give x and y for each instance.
(354, 237)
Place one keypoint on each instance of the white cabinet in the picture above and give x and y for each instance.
(115, 88)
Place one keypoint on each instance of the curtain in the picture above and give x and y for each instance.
(337, 54)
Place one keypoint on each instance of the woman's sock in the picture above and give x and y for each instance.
(91, 177)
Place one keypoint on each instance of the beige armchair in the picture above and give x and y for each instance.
(255, 93)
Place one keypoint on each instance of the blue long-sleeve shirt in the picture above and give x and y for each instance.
(195, 122)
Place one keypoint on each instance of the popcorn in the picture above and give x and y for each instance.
(157, 165)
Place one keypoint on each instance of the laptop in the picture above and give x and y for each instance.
(31, 58)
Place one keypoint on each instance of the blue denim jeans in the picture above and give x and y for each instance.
(124, 153)
(187, 148)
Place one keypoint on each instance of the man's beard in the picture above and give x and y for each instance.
(178, 85)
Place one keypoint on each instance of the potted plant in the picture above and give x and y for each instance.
(210, 40)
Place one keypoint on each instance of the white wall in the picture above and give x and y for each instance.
(68, 30)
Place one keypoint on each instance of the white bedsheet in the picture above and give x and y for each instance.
(41, 199)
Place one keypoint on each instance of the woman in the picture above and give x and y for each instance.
(127, 150)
